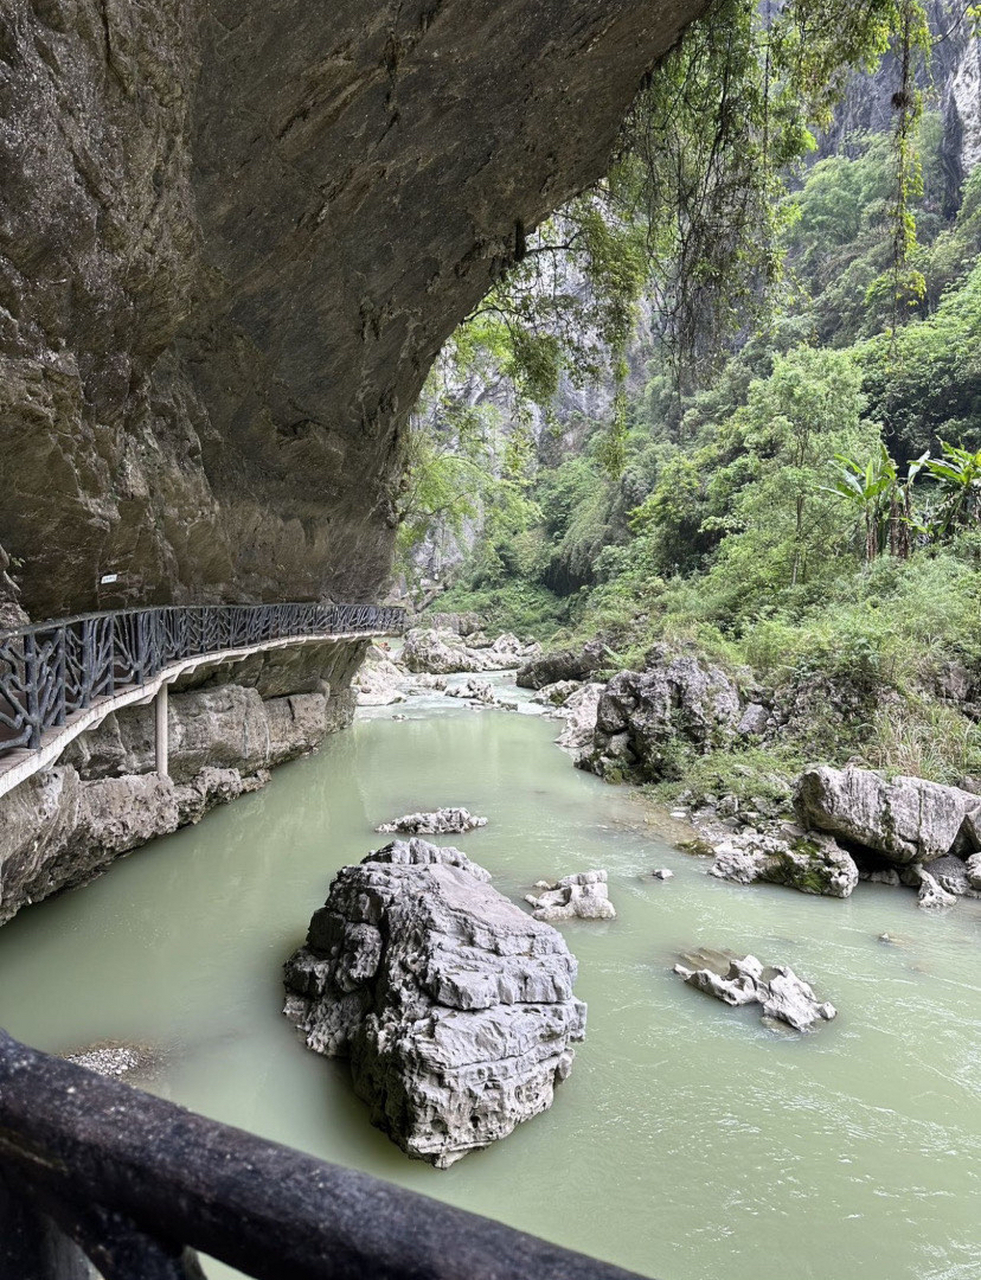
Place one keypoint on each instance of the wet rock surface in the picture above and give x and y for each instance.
(741, 980)
(451, 821)
(454, 1007)
(583, 896)
(812, 863)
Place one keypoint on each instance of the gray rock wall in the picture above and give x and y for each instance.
(233, 239)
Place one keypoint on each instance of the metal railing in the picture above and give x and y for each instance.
(54, 669)
(139, 1184)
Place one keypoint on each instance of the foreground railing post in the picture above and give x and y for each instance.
(31, 1246)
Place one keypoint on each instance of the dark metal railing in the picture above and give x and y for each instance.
(139, 1184)
(52, 670)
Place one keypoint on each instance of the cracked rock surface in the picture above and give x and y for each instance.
(454, 1007)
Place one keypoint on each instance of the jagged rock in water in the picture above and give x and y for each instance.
(647, 720)
(441, 822)
(741, 980)
(907, 820)
(563, 664)
(380, 681)
(438, 652)
(556, 694)
(972, 869)
(583, 896)
(455, 1008)
(481, 692)
(663, 873)
(932, 896)
(813, 863)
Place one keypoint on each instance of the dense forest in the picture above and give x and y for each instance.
(730, 401)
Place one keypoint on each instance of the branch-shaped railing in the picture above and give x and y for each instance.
(51, 671)
(138, 1183)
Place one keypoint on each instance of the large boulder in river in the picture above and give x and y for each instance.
(582, 896)
(906, 820)
(562, 664)
(649, 722)
(455, 1008)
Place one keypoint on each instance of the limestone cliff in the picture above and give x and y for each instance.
(233, 236)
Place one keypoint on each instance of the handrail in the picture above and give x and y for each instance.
(51, 670)
(133, 1179)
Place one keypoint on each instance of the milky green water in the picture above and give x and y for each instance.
(690, 1142)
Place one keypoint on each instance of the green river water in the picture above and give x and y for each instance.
(690, 1143)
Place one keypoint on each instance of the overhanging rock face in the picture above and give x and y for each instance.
(233, 236)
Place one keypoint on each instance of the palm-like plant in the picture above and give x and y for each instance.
(958, 475)
(884, 500)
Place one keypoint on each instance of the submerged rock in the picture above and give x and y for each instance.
(455, 1008)
(440, 822)
(114, 1058)
(741, 980)
(907, 820)
(812, 864)
(584, 896)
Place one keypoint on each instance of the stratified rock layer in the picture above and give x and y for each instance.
(455, 1008)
